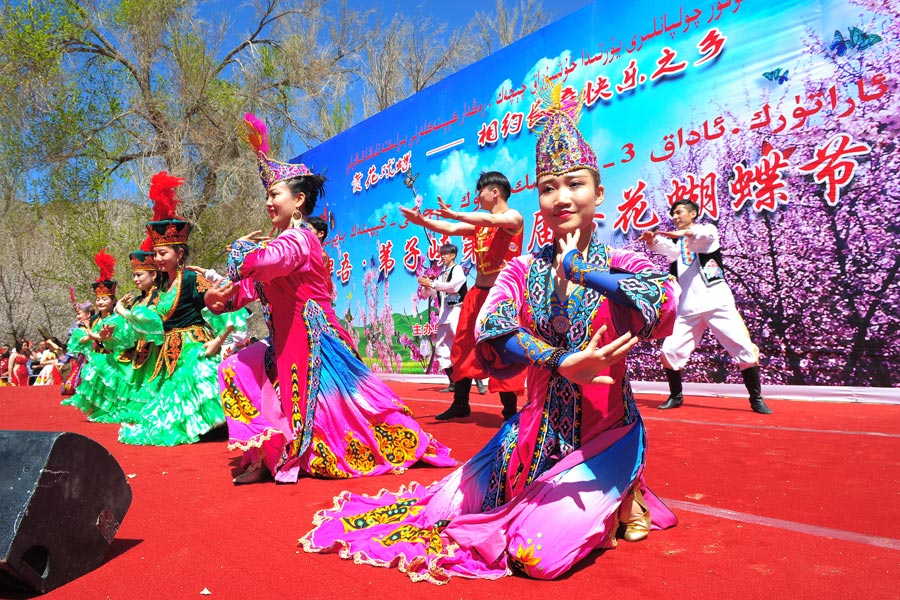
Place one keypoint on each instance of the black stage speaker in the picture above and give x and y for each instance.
(62, 499)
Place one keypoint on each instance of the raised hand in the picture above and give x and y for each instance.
(583, 367)
(413, 215)
(217, 296)
(647, 236)
(569, 243)
(444, 210)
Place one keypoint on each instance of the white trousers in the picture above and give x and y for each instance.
(725, 323)
(443, 339)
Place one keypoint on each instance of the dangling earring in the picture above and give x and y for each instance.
(296, 218)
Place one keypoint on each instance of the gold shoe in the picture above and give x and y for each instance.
(254, 473)
(636, 528)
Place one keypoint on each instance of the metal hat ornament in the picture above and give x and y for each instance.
(561, 148)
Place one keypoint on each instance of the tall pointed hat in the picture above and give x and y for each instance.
(561, 148)
(105, 285)
(166, 229)
(270, 171)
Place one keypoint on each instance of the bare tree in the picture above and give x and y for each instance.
(505, 26)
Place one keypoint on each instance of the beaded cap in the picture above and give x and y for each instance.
(270, 171)
(561, 148)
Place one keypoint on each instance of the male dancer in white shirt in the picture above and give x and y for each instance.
(706, 301)
(450, 287)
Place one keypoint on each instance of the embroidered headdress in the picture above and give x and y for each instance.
(166, 229)
(270, 171)
(105, 285)
(561, 148)
(142, 260)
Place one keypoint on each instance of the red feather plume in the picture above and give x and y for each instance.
(147, 244)
(162, 193)
(256, 133)
(106, 263)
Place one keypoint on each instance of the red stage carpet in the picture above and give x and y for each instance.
(799, 504)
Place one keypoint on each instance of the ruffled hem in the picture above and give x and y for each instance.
(257, 441)
(184, 407)
(418, 568)
(98, 395)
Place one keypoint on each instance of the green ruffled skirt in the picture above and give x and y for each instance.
(177, 408)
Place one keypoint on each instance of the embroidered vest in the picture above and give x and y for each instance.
(495, 247)
(711, 267)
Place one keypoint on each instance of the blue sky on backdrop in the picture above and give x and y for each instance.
(762, 37)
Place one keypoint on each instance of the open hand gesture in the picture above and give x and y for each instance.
(444, 210)
(217, 296)
(583, 367)
(413, 215)
(647, 236)
(569, 243)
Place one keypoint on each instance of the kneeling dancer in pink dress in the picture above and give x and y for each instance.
(565, 475)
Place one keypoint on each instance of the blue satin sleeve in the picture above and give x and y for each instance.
(599, 279)
(522, 347)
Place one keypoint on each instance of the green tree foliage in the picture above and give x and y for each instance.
(101, 94)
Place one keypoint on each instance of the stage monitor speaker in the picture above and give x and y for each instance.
(62, 499)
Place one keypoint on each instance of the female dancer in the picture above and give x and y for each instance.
(302, 400)
(184, 404)
(79, 343)
(102, 376)
(49, 353)
(559, 477)
(140, 359)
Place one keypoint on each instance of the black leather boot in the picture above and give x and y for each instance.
(754, 388)
(460, 407)
(509, 401)
(676, 396)
(451, 387)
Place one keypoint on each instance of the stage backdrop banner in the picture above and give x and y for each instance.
(780, 119)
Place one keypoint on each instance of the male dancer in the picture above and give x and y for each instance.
(497, 234)
(450, 288)
(706, 301)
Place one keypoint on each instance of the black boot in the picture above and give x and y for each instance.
(754, 388)
(509, 401)
(676, 396)
(451, 387)
(460, 407)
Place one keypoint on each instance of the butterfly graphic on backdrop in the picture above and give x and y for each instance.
(786, 153)
(778, 75)
(857, 40)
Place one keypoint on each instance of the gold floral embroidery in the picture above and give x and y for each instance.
(396, 443)
(411, 534)
(324, 462)
(235, 404)
(203, 283)
(525, 558)
(359, 456)
(383, 515)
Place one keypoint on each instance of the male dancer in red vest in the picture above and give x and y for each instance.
(497, 231)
